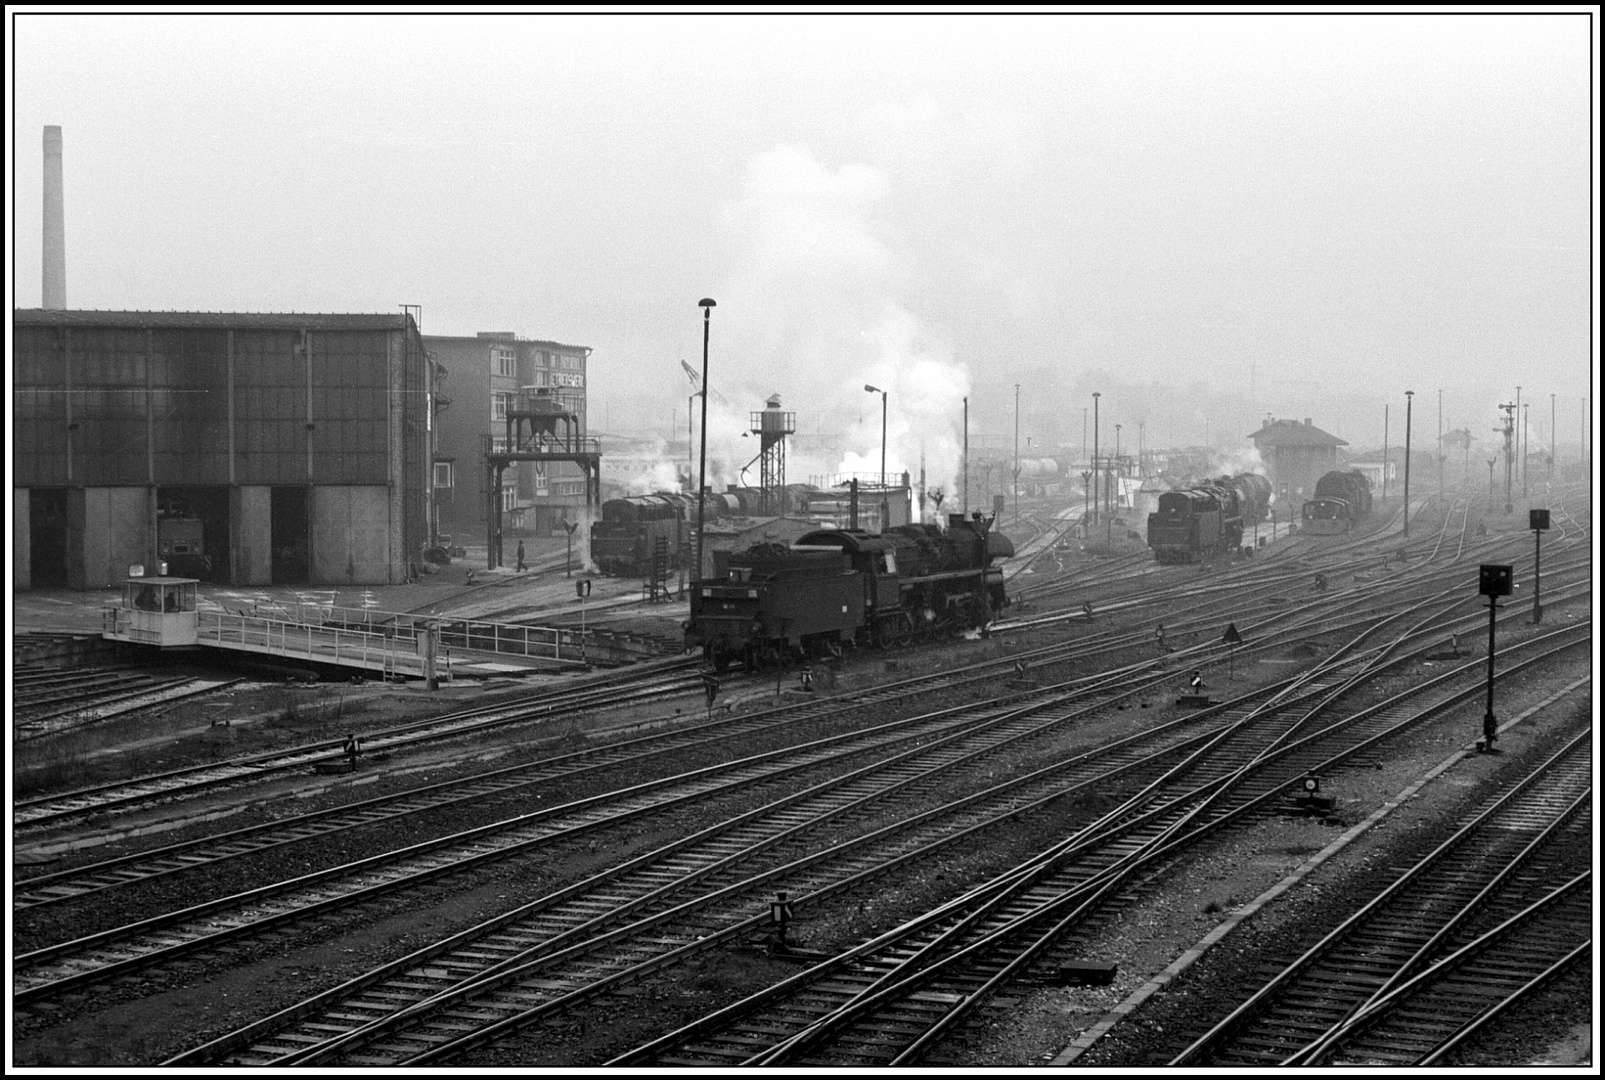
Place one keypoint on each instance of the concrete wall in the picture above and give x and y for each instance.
(21, 554)
(109, 531)
(351, 534)
(250, 514)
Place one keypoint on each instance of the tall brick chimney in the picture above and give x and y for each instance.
(55, 235)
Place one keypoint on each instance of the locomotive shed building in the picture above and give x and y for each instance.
(245, 449)
(1296, 456)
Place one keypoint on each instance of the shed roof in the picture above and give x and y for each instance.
(213, 320)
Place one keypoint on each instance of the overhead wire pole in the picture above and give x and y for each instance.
(1525, 444)
(1097, 498)
(1521, 466)
(1409, 399)
(707, 307)
(1016, 451)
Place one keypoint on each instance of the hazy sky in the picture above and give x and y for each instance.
(1169, 208)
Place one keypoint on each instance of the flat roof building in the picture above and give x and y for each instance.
(490, 374)
(240, 448)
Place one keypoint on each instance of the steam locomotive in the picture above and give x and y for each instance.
(1206, 520)
(1341, 500)
(625, 540)
(838, 588)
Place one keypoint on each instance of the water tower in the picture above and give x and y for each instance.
(772, 426)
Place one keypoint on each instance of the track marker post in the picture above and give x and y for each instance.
(1232, 639)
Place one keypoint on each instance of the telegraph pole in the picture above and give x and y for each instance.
(1098, 496)
(1409, 399)
(1510, 431)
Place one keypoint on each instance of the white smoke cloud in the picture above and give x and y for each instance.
(1243, 460)
(813, 313)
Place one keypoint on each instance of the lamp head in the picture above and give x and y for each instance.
(706, 303)
(873, 389)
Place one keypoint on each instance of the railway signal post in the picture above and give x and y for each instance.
(582, 589)
(1537, 521)
(1493, 581)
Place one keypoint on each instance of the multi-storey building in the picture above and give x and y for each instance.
(485, 377)
(1296, 456)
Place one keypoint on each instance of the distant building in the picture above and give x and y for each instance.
(239, 448)
(1385, 471)
(488, 374)
(1296, 456)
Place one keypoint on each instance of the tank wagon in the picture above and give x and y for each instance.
(1206, 520)
(840, 588)
(1341, 500)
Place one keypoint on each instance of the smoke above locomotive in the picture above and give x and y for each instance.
(813, 310)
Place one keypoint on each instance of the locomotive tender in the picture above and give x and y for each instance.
(836, 588)
(1206, 520)
(1341, 500)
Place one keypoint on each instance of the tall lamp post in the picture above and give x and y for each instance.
(707, 307)
(1551, 438)
(1409, 399)
(966, 457)
(1016, 451)
(882, 393)
(1096, 394)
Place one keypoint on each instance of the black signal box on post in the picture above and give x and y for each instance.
(1494, 579)
(1538, 520)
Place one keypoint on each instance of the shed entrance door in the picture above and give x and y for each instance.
(291, 522)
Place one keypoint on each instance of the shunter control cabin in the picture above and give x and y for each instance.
(154, 611)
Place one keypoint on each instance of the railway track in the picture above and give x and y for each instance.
(890, 1001)
(73, 963)
(662, 947)
(1375, 991)
(642, 683)
(570, 940)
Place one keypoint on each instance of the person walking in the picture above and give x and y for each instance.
(521, 555)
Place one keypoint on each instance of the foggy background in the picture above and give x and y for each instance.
(1209, 219)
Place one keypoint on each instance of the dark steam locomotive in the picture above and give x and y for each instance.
(1341, 500)
(1206, 520)
(626, 539)
(836, 588)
